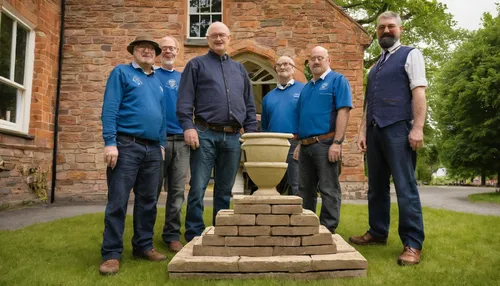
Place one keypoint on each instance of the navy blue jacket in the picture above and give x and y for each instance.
(220, 92)
(388, 93)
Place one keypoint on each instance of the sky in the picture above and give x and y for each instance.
(468, 13)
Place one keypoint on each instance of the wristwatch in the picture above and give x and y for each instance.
(338, 142)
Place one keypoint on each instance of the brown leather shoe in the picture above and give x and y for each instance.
(150, 254)
(175, 246)
(109, 267)
(367, 239)
(409, 256)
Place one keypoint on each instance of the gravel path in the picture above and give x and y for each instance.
(450, 198)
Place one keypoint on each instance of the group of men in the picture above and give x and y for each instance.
(159, 123)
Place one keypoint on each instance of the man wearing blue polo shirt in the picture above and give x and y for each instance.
(324, 106)
(176, 163)
(279, 113)
(133, 128)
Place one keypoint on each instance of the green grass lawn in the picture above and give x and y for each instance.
(493, 197)
(460, 249)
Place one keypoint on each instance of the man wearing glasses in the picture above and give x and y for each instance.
(176, 165)
(324, 106)
(279, 113)
(390, 133)
(216, 92)
(133, 120)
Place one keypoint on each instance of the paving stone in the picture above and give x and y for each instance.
(209, 238)
(264, 219)
(350, 260)
(273, 200)
(324, 237)
(226, 230)
(252, 209)
(272, 275)
(261, 230)
(286, 209)
(269, 240)
(303, 250)
(228, 218)
(184, 261)
(239, 241)
(292, 241)
(342, 245)
(203, 250)
(306, 218)
(294, 230)
(275, 264)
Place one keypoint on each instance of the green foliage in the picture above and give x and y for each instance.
(467, 104)
(493, 197)
(36, 179)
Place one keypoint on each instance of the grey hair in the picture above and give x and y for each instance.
(390, 15)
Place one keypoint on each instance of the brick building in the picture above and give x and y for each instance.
(95, 37)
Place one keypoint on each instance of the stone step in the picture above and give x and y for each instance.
(252, 209)
(286, 209)
(272, 200)
(324, 237)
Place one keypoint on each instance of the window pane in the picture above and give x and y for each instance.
(205, 22)
(5, 45)
(216, 6)
(21, 40)
(8, 101)
(204, 6)
(193, 6)
(216, 18)
(194, 30)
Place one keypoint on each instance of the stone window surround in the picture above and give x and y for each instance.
(21, 127)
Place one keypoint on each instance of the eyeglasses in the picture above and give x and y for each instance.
(215, 36)
(284, 65)
(168, 48)
(313, 59)
(381, 28)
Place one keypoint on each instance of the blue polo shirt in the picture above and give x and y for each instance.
(133, 104)
(319, 102)
(279, 109)
(170, 81)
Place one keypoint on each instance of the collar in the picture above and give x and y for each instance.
(394, 47)
(290, 83)
(213, 54)
(136, 66)
(160, 67)
(322, 77)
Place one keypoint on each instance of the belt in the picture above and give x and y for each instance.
(175, 137)
(138, 140)
(314, 139)
(219, 128)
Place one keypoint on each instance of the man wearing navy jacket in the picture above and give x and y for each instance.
(279, 114)
(391, 131)
(217, 93)
(176, 165)
(133, 128)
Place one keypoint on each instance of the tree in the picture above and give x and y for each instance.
(467, 105)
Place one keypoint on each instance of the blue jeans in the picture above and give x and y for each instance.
(220, 151)
(137, 167)
(173, 177)
(316, 172)
(293, 169)
(389, 152)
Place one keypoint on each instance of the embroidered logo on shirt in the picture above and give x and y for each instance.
(323, 86)
(172, 84)
(137, 80)
(296, 95)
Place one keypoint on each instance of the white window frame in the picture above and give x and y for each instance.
(189, 18)
(23, 104)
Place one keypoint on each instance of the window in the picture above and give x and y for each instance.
(201, 14)
(16, 72)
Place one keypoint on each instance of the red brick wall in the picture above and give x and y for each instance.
(96, 36)
(20, 153)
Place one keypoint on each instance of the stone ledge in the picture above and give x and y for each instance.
(273, 200)
(274, 275)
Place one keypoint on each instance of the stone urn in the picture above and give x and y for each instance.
(266, 154)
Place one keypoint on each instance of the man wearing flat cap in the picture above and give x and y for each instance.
(133, 121)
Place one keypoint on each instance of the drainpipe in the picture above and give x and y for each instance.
(58, 96)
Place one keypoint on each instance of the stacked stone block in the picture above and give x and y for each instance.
(266, 237)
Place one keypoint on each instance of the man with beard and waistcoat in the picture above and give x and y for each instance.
(390, 133)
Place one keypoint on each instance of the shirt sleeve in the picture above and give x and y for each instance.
(163, 129)
(250, 124)
(415, 68)
(342, 92)
(186, 96)
(113, 96)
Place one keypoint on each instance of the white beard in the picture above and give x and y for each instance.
(167, 62)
